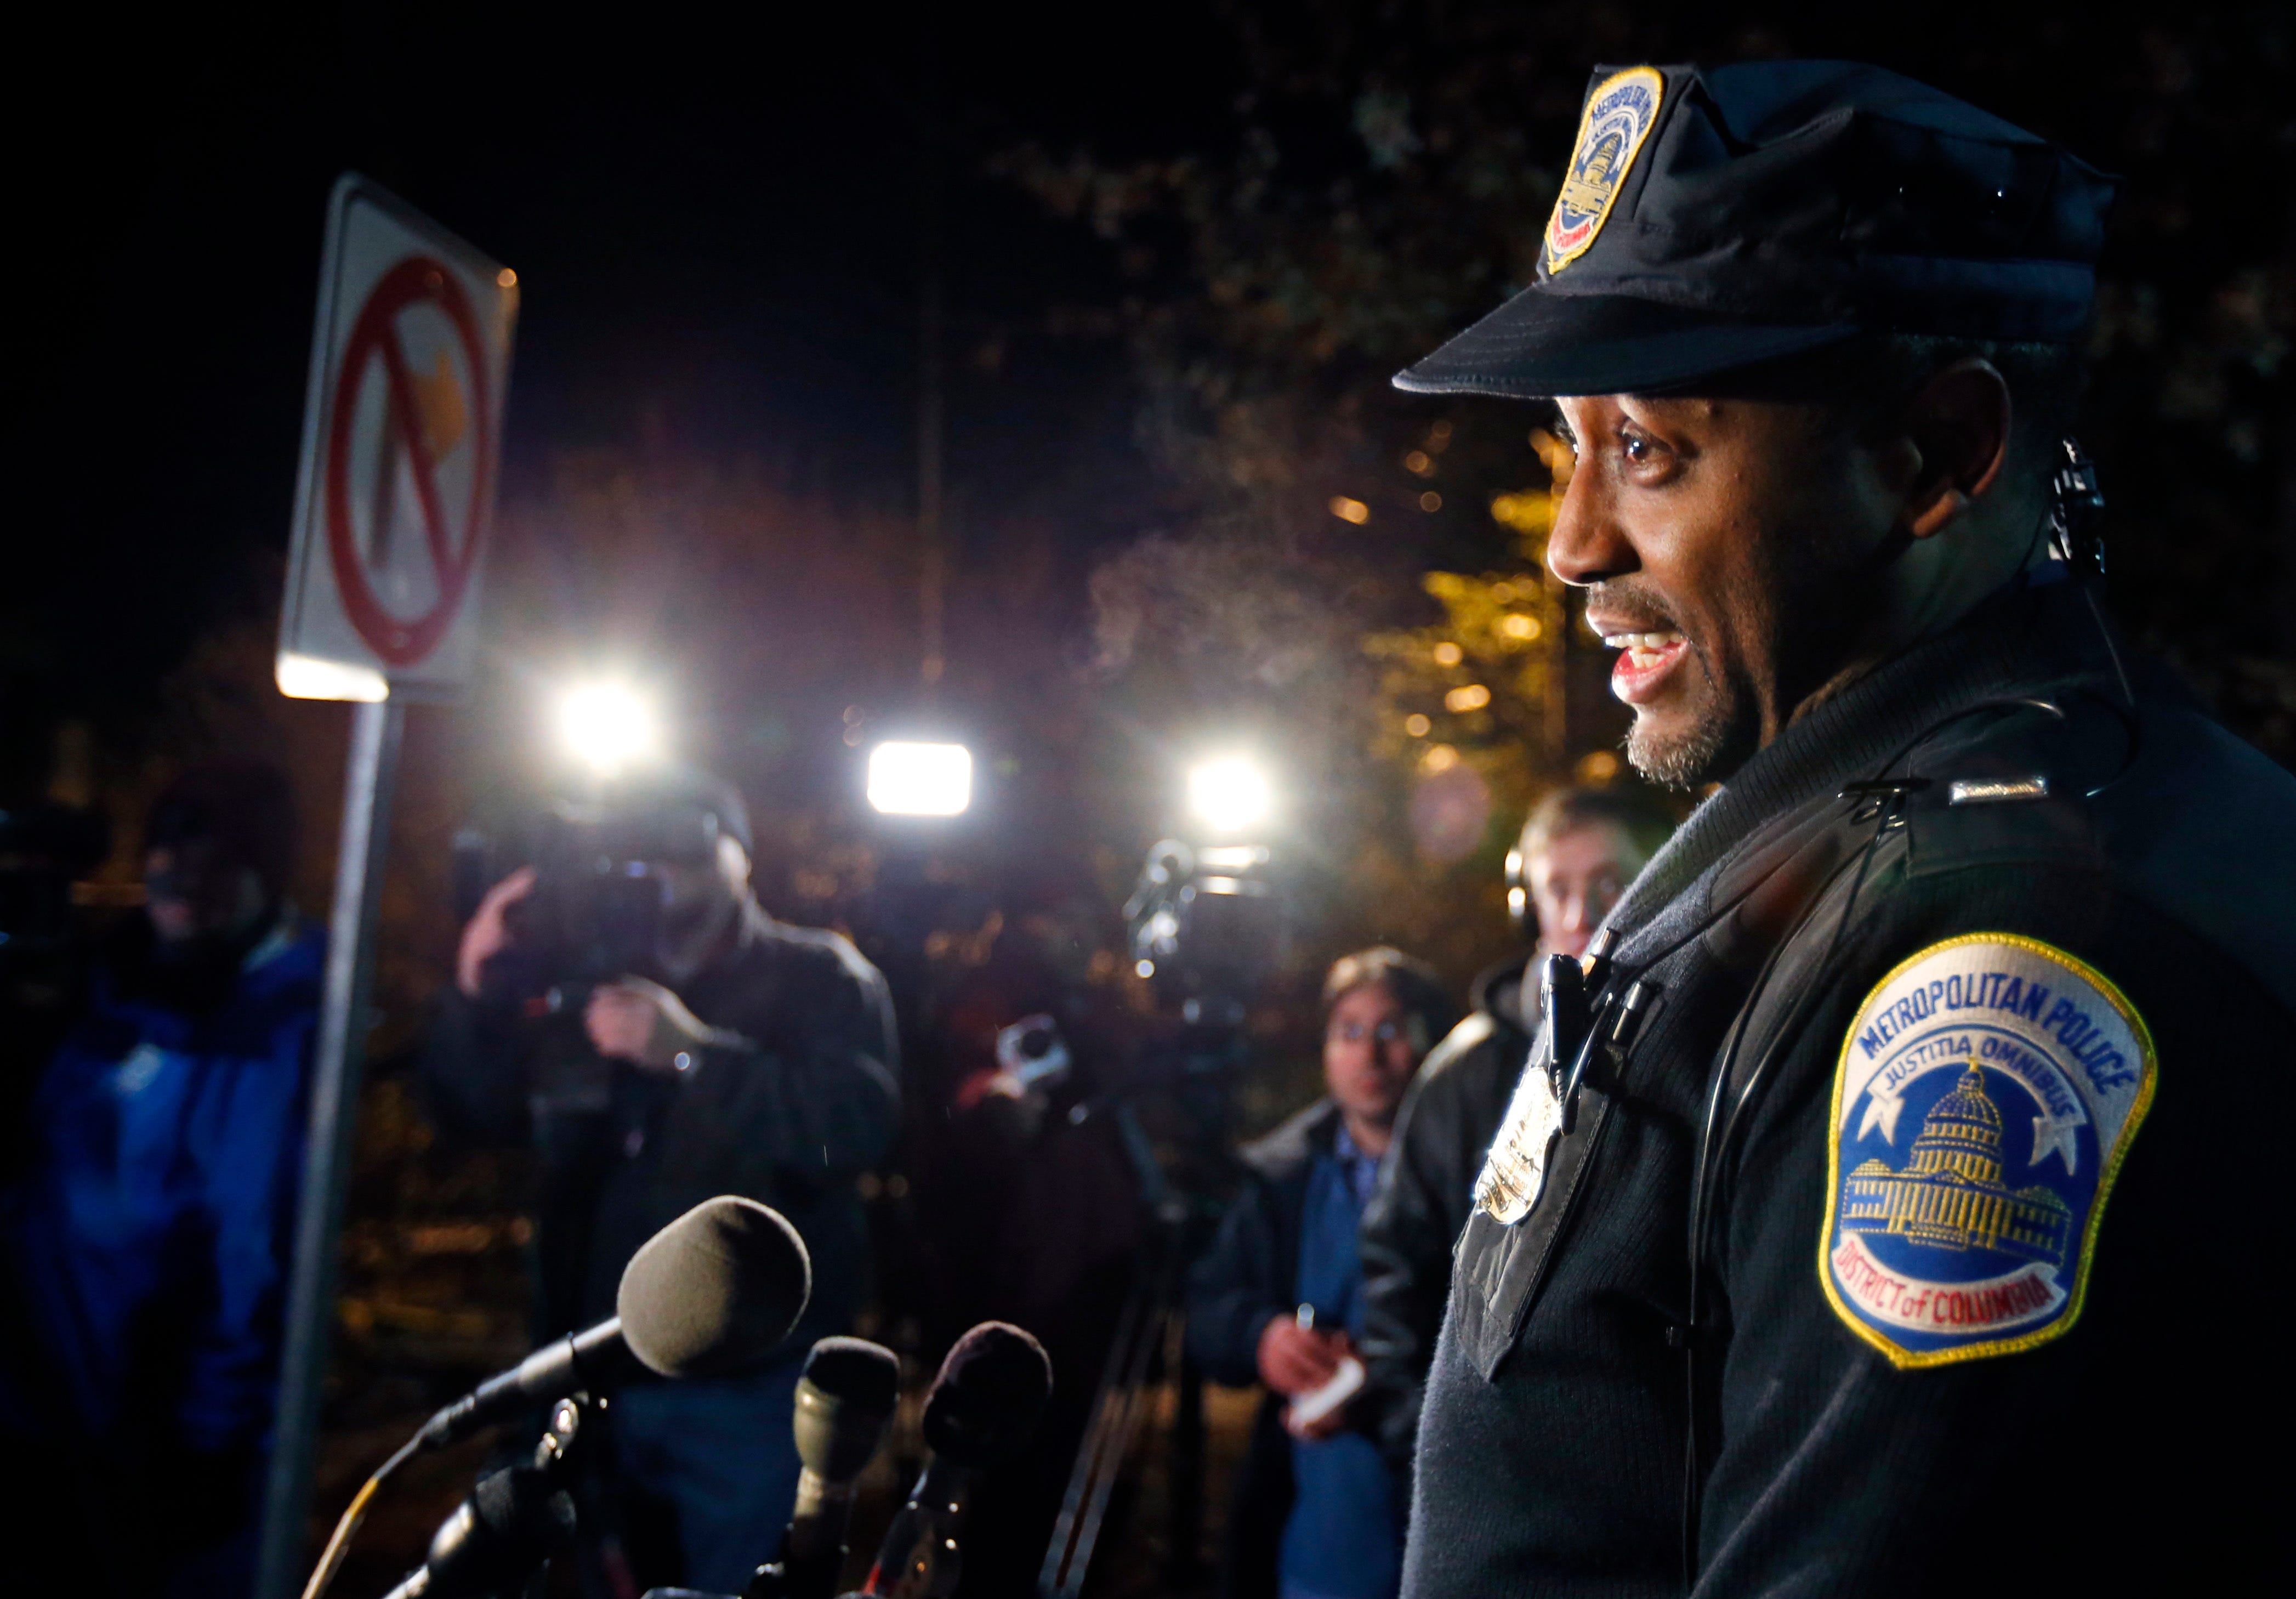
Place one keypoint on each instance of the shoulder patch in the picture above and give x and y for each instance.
(1985, 1097)
(1618, 117)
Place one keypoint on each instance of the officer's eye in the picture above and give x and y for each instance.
(1650, 459)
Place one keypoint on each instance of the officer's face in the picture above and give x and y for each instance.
(1370, 1052)
(1721, 542)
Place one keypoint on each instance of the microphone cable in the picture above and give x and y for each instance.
(339, 1543)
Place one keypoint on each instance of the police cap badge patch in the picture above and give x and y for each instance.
(1987, 1093)
(1618, 117)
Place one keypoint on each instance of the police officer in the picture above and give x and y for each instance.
(1894, 1206)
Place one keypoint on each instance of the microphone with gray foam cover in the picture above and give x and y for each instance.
(711, 1294)
(845, 1400)
(715, 1291)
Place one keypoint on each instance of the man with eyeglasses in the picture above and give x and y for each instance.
(1278, 1301)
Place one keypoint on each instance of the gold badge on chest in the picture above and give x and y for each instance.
(1515, 1169)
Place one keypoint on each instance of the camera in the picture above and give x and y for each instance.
(1033, 1051)
(596, 910)
(1206, 923)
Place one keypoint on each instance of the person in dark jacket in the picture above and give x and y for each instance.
(1901, 1225)
(750, 1057)
(1026, 1203)
(146, 1246)
(1278, 1300)
(1579, 850)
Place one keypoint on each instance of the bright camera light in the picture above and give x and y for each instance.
(1229, 794)
(920, 780)
(607, 726)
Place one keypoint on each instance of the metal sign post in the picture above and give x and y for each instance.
(368, 779)
(402, 428)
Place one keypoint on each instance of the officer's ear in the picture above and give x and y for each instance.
(1954, 434)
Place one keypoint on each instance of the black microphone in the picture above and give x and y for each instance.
(983, 1410)
(513, 1521)
(844, 1402)
(712, 1292)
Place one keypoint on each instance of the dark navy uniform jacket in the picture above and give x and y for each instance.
(1426, 1187)
(1989, 1300)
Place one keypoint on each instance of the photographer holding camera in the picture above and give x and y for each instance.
(731, 1053)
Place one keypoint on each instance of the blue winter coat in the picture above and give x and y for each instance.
(150, 1236)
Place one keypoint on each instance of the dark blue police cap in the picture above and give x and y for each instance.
(1708, 220)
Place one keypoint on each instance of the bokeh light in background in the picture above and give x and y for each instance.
(920, 780)
(608, 727)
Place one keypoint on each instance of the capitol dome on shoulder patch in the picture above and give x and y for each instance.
(1987, 1093)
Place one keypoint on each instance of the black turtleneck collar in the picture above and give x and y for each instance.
(2026, 638)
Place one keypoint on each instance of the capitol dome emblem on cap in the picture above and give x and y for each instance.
(1618, 117)
(1713, 219)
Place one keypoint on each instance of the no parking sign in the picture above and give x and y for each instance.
(402, 446)
(402, 443)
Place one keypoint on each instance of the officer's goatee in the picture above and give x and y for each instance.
(1719, 734)
(1683, 760)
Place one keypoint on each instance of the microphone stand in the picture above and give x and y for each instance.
(924, 1535)
(504, 1533)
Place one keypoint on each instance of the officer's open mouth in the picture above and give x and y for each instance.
(1644, 659)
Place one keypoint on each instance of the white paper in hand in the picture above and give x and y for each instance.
(1346, 1382)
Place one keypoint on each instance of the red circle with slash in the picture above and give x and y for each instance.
(403, 641)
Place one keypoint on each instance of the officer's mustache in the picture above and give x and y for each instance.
(1623, 601)
(1619, 599)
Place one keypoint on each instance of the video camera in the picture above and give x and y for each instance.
(596, 910)
(1207, 923)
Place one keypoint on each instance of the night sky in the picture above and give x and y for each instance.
(717, 225)
(718, 229)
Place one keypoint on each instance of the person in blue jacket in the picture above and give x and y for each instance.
(1278, 1301)
(145, 1246)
